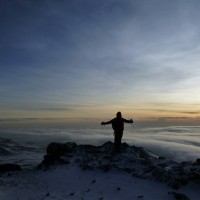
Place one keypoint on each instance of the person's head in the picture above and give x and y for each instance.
(119, 114)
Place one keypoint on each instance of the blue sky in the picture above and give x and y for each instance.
(91, 58)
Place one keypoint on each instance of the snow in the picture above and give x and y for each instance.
(71, 182)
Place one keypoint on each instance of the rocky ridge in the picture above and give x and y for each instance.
(131, 159)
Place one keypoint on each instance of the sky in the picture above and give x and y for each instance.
(88, 59)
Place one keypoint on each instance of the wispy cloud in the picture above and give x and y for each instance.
(109, 52)
(171, 111)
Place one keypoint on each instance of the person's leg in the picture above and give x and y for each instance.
(118, 138)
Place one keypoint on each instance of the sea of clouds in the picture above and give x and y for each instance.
(177, 143)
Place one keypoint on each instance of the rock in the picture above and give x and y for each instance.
(94, 181)
(198, 161)
(54, 152)
(85, 166)
(51, 160)
(131, 159)
(9, 167)
(105, 168)
(195, 175)
(179, 196)
(58, 149)
(47, 194)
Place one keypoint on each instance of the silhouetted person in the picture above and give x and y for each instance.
(118, 127)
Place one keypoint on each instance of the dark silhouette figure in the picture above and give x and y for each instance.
(118, 127)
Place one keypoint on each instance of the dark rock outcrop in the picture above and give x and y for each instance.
(179, 196)
(58, 149)
(55, 151)
(9, 168)
(134, 160)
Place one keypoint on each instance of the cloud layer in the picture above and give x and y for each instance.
(177, 143)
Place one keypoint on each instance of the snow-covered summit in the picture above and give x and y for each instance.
(87, 172)
(134, 160)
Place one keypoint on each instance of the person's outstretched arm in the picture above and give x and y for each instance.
(128, 121)
(104, 123)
